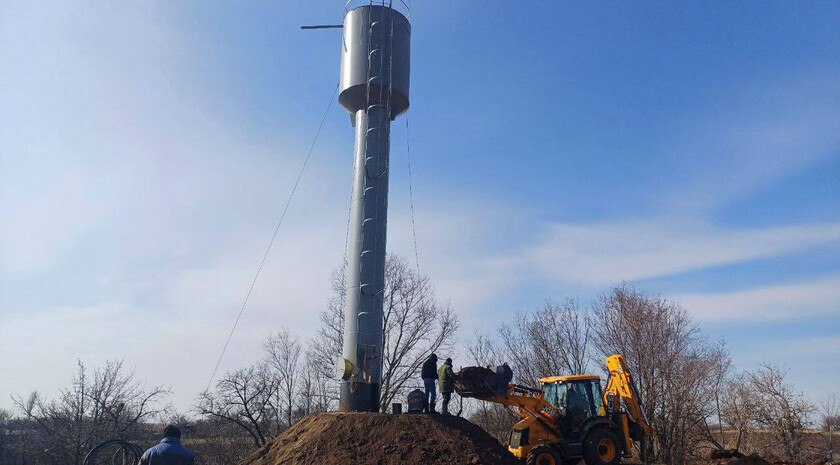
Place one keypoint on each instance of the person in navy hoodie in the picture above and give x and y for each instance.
(169, 451)
(429, 373)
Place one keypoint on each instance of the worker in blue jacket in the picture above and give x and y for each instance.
(429, 373)
(169, 451)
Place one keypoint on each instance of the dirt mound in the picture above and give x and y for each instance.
(719, 454)
(780, 461)
(483, 382)
(740, 459)
(732, 457)
(380, 439)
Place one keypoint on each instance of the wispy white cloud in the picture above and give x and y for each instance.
(133, 219)
(790, 301)
(172, 330)
(598, 255)
(818, 348)
(771, 129)
(806, 360)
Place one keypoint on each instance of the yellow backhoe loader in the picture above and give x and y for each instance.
(570, 418)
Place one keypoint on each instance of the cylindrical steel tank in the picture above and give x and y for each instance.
(373, 37)
(374, 90)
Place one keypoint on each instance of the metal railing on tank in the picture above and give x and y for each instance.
(403, 6)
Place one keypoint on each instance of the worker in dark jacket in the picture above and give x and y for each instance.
(445, 382)
(429, 373)
(169, 451)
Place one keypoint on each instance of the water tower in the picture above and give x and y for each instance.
(374, 90)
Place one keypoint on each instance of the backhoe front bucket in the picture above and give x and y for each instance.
(483, 382)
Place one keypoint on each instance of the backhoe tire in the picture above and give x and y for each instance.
(543, 455)
(601, 447)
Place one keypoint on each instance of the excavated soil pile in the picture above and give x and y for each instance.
(736, 458)
(381, 439)
(753, 459)
(474, 382)
(483, 382)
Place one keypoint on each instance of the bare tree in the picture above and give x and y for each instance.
(830, 413)
(484, 351)
(245, 398)
(494, 418)
(101, 405)
(719, 382)
(780, 409)
(325, 347)
(5, 420)
(519, 351)
(283, 358)
(554, 339)
(17, 441)
(681, 423)
(561, 334)
(314, 390)
(415, 324)
(737, 405)
(673, 364)
(219, 442)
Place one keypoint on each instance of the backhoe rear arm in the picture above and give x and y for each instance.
(621, 391)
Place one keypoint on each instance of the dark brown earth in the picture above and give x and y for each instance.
(754, 459)
(381, 439)
(474, 382)
(742, 460)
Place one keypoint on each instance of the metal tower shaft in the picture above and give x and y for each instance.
(363, 334)
(374, 89)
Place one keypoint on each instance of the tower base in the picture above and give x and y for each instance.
(359, 397)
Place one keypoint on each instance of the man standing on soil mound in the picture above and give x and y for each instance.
(429, 373)
(445, 378)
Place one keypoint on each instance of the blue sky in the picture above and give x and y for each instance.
(147, 150)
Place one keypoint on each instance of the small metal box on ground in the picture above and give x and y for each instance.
(416, 401)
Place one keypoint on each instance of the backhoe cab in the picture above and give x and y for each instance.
(579, 405)
(569, 418)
